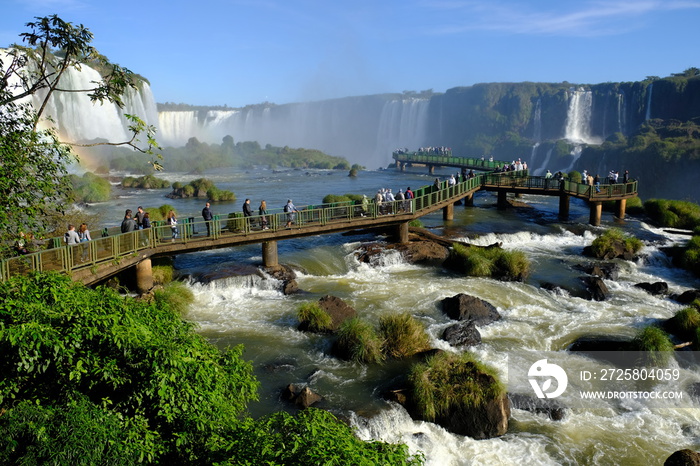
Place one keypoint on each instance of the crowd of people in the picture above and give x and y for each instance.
(440, 150)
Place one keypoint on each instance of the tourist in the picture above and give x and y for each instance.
(128, 224)
(436, 184)
(208, 217)
(389, 200)
(547, 177)
(378, 199)
(84, 233)
(409, 193)
(71, 237)
(596, 182)
(452, 180)
(146, 220)
(21, 244)
(139, 217)
(365, 205)
(171, 220)
(290, 210)
(247, 213)
(262, 211)
(626, 177)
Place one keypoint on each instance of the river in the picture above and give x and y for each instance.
(252, 311)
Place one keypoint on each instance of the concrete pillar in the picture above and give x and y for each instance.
(596, 213)
(398, 165)
(402, 233)
(269, 253)
(502, 200)
(469, 200)
(564, 200)
(144, 276)
(431, 169)
(403, 167)
(448, 212)
(620, 207)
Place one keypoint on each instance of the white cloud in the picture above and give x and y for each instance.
(592, 18)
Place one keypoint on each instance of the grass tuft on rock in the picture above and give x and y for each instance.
(447, 382)
(403, 335)
(605, 244)
(489, 262)
(358, 341)
(313, 318)
(656, 343)
(162, 274)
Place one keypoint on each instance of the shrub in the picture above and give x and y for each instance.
(575, 176)
(671, 213)
(358, 342)
(215, 194)
(403, 335)
(690, 257)
(656, 342)
(416, 222)
(335, 198)
(606, 245)
(447, 381)
(90, 188)
(144, 182)
(352, 173)
(313, 318)
(176, 295)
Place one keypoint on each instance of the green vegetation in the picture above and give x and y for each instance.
(575, 176)
(204, 188)
(162, 274)
(656, 342)
(403, 335)
(312, 436)
(674, 214)
(685, 323)
(489, 262)
(33, 169)
(176, 296)
(313, 318)
(358, 341)
(609, 243)
(416, 223)
(337, 198)
(197, 157)
(447, 382)
(92, 377)
(145, 182)
(90, 188)
(113, 368)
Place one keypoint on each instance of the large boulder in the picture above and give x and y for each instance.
(486, 421)
(597, 290)
(302, 398)
(463, 333)
(338, 309)
(687, 296)
(470, 308)
(424, 252)
(683, 458)
(655, 289)
(608, 271)
(286, 275)
(552, 408)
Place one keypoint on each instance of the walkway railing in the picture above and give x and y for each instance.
(445, 160)
(114, 245)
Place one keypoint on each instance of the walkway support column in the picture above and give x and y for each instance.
(144, 276)
(620, 207)
(502, 200)
(402, 233)
(564, 205)
(596, 213)
(431, 169)
(269, 253)
(469, 200)
(448, 212)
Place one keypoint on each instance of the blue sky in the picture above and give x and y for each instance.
(239, 52)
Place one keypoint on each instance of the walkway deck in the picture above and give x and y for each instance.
(94, 261)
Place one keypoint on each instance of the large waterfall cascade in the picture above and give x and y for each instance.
(647, 116)
(578, 119)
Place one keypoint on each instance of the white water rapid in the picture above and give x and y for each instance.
(252, 311)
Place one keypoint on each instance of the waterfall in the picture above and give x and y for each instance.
(537, 122)
(578, 119)
(620, 112)
(648, 114)
(77, 119)
(363, 130)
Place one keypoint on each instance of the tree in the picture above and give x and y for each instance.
(34, 160)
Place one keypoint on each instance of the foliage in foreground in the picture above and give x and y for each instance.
(93, 377)
(313, 436)
(144, 377)
(447, 382)
(489, 262)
